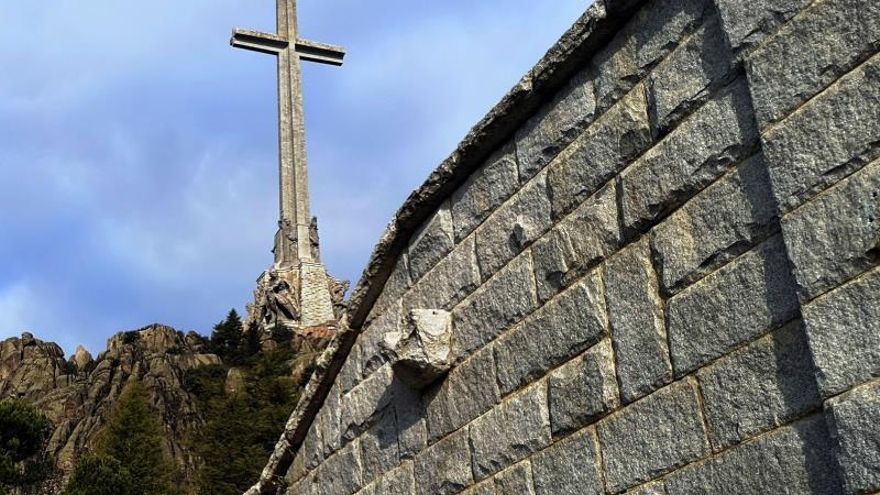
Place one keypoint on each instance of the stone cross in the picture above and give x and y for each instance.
(292, 243)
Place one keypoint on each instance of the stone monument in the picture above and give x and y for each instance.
(296, 292)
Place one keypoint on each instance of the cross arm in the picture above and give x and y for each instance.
(257, 41)
(320, 52)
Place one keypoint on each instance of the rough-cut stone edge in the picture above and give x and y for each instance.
(577, 46)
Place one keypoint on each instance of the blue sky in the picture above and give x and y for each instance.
(138, 150)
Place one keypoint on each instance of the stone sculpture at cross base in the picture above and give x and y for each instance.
(296, 293)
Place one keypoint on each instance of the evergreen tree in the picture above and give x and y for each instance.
(226, 340)
(131, 445)
(24, 433)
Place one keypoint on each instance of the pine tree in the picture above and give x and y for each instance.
(24, 432)
(226, 340)
(131, 445)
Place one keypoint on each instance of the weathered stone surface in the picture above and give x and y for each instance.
(511, 431)
(651, 34)
(688, 77)
(719, 134)
(451, 280)
(372, 354)
(748, 23)
(837, 235)
(328, 423)
(577, 243)
(474, 379)
(422, 352)
(562, 329)
(583, 390)
(717, 225)
(793, 459)
(431, 244)
(341, 473)
(412, 434)
(570, 467)
(379, 448)
(515, 481)
(853, 419)
(744, 299)
(397, 284)
(833, 135)
(769, 383)
(502, 301)
(635, 311)
(484, 191)
(556, 125)
(814, 49)
(653, 488)
(81, 358)
(844, 331)
(653, 436)
(445, 467)
(361, 406)
(513, 226)
(607, 146)
(400, 481)
(485, 488)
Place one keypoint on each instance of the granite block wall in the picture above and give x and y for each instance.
(664, 282)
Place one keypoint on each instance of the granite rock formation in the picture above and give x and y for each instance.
(77, 395)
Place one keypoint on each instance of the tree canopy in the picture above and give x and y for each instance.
(24, 432)
(129, 456)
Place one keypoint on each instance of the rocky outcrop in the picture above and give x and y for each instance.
(78, 394)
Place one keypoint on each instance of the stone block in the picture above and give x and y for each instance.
(400, 481)
(341, 473)
(510, 432)
(578, 243)
(717, 225)
(555, 125)
(562, 329)
(451, 280)
(395, 287)
(484, 191)
(748, 23)
(650, 35)
(827, 40)
(583, 390)
(843, 327)
(412, 434)
(760, 387)
(502, 301)
(328, 423)
(431, 243)
(372, 353)
(606, 147)
(830, 137)
(445, 467)
(638, 329)
(361, 406)
(569, 467)
(516, 480)
(513, 226)
(853, 419)
(719, 134)
(689, 76)
(836, 236)
(312, 446)
(652, 437)
(793, 459)
(422, 352)
(379, 451)
(742, 300)
(468, 391)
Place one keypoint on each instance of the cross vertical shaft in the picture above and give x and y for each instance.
(293, 240)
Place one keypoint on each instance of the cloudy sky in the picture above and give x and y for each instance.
(138, 150)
